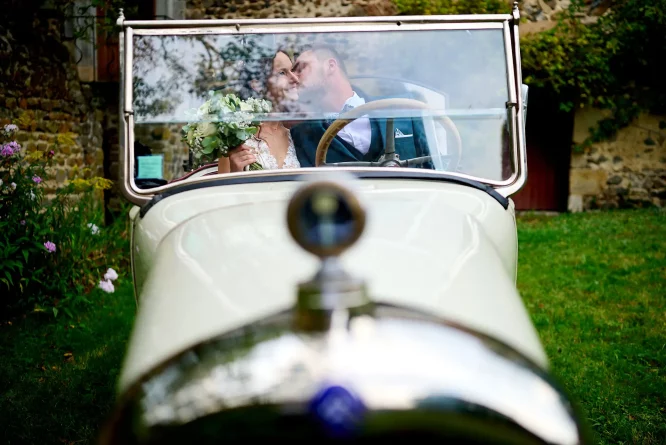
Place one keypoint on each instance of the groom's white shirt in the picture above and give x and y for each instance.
(359, 132)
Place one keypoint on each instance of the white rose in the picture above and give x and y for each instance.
(207, 129)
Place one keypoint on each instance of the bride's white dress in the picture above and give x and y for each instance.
(267, 160)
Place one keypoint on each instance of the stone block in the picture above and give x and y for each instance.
(614, 180)
(587, 181)
(584, 119)
(42, 126)
(61, 176)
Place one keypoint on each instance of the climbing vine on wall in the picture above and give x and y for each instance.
(613, 63)
(443, 7)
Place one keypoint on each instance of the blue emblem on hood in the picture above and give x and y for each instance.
(337, 409)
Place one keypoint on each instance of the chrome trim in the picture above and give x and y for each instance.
(512, 105)
(424, 373)
(469, 18)
(522, 137)
(361, 27)
(139, 196)
(144, 198)
(128, 105)
(124, 178)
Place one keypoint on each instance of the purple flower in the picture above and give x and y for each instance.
(106, 286)
(51, 247)
(10, 149)
(6, 151)
(23, 224)
(37, 179)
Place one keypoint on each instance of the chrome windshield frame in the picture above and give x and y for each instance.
(129, 28)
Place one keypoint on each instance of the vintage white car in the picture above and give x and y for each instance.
(369, 294)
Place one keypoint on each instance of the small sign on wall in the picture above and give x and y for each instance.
(150, 167)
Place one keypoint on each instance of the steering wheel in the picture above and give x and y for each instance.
(390, 158)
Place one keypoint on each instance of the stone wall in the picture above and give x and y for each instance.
(549, 10)
(43, 96)
(627, 171)
(232, 9)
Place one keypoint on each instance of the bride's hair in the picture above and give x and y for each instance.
(256, 75)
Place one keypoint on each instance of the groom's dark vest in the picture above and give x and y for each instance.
(306, 137)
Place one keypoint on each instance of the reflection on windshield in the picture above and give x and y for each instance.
(443, 100)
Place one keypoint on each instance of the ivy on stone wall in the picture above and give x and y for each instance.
(612, 63)
(444, 7)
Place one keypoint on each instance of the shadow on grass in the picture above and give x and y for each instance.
(57, 380)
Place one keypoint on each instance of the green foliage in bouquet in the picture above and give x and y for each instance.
(223, 122)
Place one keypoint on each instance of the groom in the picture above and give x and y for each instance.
(324, 88)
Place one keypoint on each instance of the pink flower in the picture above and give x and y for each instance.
(51, 247)
(23, 224)
(50, 154)
(37, 179)
(6, 151)
(111, 275)
(106, 286)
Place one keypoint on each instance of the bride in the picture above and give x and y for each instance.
(272, 146)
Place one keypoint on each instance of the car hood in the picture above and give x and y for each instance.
(436, 249)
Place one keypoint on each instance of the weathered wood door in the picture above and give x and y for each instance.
(549, 134)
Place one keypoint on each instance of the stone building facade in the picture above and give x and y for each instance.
(627, 171)
(230, 9)
(44, 95)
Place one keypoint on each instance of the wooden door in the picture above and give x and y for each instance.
(549, 134)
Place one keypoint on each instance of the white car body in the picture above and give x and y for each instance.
(222, 288)
(205, 261)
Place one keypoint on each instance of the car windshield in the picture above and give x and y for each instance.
(429, 98)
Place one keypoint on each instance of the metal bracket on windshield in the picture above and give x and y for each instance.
(516, 13)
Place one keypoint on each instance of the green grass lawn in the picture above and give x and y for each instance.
(594, 283)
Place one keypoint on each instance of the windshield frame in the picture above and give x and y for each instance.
(507, 22)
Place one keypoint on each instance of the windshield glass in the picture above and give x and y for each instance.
(426, 99)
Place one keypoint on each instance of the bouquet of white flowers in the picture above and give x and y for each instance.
(222, 123)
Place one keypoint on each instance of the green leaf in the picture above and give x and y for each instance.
(209, 144)
(55, 312)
